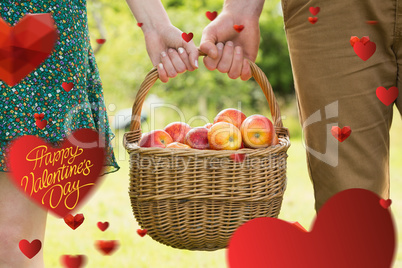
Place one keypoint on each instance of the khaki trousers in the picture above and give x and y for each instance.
(334, 87)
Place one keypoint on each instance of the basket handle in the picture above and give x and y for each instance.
(257, 73)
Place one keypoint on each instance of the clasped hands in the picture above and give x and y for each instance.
(227, 50)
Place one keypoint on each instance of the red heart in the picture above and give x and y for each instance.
(350, 230)
(341, 134)
(74, 221)
(312, 20)
(211, 15)
(30, 249)
(39, 116)
(238, 28)
(142, 232)
(71, 261)
(101, 41)
(385, 203)
(139, 24)
(187, 37)
(314, 10)
(25, 46)
(354, 39)
(57, 178)
(238, 157)
(103, 225)
(364, 51)
(41, 124)
(107, 246)
(387, 96)
(67, 86)
(365, 40)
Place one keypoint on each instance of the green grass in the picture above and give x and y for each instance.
(111, 203)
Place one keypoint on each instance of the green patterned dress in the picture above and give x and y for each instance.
(72, 60)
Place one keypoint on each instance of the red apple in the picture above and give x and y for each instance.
(156, 138)
(224, 136)
(257, 131)
(177, 130)
(177, 145)
(231, 116)
(197, 138)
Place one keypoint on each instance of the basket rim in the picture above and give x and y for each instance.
(284, 144)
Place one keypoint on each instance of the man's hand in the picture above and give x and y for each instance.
(227, 49)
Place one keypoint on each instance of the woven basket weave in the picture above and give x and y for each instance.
(195, 199)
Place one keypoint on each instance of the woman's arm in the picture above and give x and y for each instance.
(166, 48)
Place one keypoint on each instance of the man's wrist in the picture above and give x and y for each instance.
(249, 9)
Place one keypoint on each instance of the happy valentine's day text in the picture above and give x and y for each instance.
(64, 157)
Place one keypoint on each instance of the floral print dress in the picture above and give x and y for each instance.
(71, 61)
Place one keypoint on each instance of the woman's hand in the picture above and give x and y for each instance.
(169, 52)
(166, 48)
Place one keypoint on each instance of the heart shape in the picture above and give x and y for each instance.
(211, 15)
(25, 46)
(142, 232)
(314, 10)
(355, 39)
(39, 116)
(139, 24)
(341, 134)
(101, 41)
(350, 230)
(74, 221)
(71, 261)
(103, 225)
(58, 179)
(106, 247)
(67, 86)
(41, 123)
(312, 20)
(385, 203)
(238, 28)
(187, 37)
(30, 249)
(364, 51)
(387, 96)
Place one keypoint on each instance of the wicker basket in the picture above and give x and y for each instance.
(195, 199)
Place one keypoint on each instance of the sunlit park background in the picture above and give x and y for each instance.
(197, 96)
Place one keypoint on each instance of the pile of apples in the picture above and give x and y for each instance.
(231, 130)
